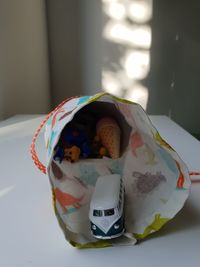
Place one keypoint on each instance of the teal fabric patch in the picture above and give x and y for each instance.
(83, 99)
(168, 160)
(88, 174)
(53, 135)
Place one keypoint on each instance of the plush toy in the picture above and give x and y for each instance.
(79, 141)
(109, 132)
(72, 154)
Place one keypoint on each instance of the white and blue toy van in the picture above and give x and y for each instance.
(107, 207)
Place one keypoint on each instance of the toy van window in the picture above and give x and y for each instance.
(109, 212)
(97, 213)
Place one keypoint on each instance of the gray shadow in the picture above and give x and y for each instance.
(187, 218)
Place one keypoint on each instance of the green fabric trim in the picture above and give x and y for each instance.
(157, 223)
(126, 101)
(99, 95)
(161, 141)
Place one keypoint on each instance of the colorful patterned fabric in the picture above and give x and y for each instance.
(156, 180)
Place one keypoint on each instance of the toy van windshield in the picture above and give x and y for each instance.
(107, 207)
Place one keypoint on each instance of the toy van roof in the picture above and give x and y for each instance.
(106, 192)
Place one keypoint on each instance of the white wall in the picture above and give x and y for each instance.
(174, 80)
(74, 28)
(24, 73)
(63, 18)
(91, 46)
(77, 53)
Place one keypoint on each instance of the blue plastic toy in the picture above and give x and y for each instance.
(72, 136)
(59, 153)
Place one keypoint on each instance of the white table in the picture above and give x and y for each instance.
(29, 232)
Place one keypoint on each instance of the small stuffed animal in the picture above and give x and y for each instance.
(72, 154)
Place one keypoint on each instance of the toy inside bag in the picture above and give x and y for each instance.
(87, 136)
(114, 179)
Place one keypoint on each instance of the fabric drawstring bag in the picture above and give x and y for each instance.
(156, 180)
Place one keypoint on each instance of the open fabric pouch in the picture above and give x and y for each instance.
(156, 180)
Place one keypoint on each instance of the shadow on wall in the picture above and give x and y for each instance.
(149, 48)
(174, 78)
(126, 60)
(151, 55)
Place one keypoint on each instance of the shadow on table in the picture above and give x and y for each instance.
(187, 218)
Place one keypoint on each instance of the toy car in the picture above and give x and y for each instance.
(107, 207)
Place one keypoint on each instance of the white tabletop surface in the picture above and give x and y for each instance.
(29, 232)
